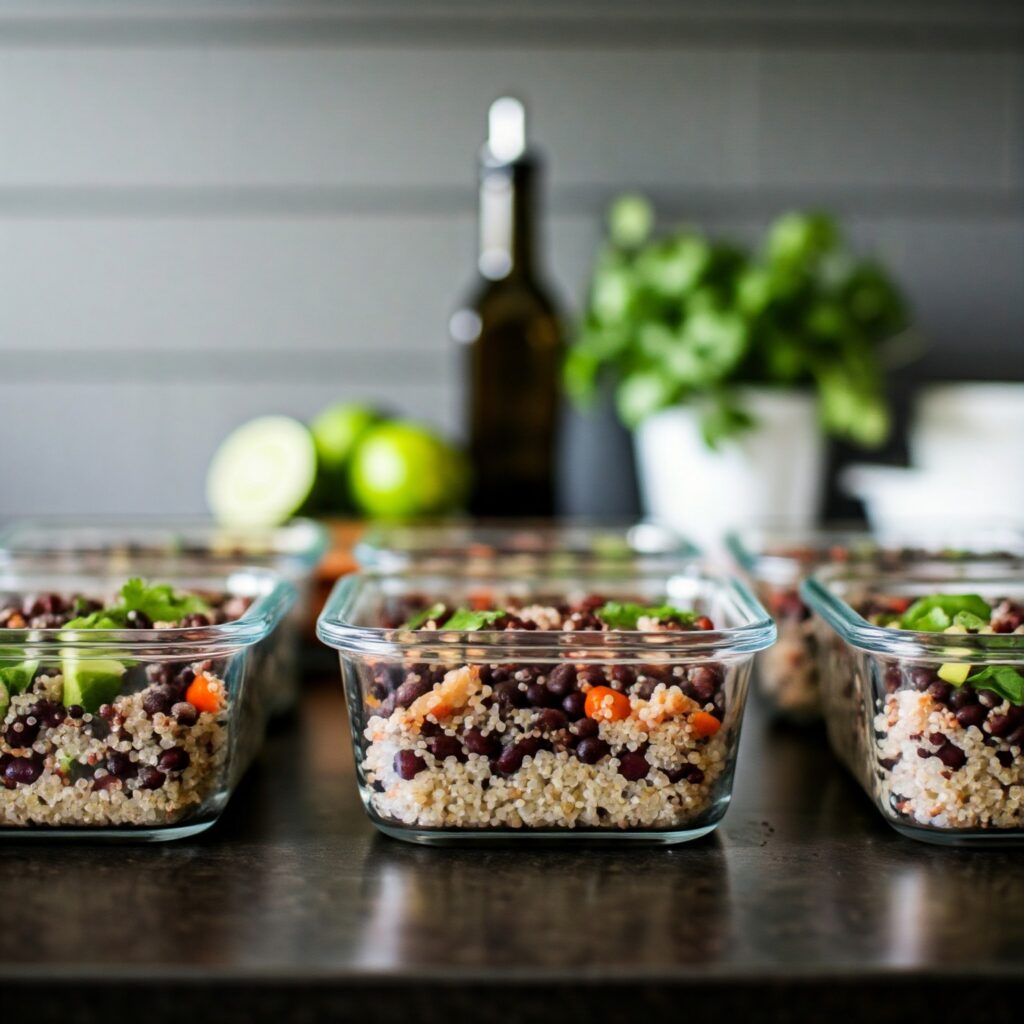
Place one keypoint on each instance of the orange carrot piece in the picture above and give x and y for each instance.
(704, 724)
(204, 694)
(606, 704)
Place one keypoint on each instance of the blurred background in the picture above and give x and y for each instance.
(215, 210)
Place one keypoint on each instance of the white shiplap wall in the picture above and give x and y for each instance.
(217, 209)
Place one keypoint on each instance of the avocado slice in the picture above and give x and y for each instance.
(91, 683)
(955, 674)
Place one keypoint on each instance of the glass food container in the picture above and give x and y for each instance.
(293, 550)
(776, 559)
(137, 733)
(929, 720)
(478, 546)
(554, 728)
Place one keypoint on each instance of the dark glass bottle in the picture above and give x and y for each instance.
(511, 335)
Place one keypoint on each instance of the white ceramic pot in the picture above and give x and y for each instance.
(774, 471)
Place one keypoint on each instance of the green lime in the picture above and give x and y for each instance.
(400, 470)
(336, 431)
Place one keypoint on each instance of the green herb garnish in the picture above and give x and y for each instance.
(1007, 682)
(16, 678)
(970, 621)
(626, 615)
(937, 612)
(158, 602)
(435, 611)
(468, 620)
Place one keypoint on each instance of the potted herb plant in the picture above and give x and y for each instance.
(731, 365)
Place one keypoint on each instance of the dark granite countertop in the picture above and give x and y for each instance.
(803, 906)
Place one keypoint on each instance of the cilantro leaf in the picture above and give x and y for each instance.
(922, 614)
(1007, 682)
(626, 614)
(159, 601)
(434, 612)
(468, 620)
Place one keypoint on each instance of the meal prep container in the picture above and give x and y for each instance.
(936, 772)
(81, 771)
(776, 559)
(468, 547)
(293, 551)
(490, 764)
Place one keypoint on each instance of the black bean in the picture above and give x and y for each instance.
(1004, 757)
(408, 764)
(593, 674)
(623, 674)
(962, 697)
(185, 713)
(940, 691)
(633, 765)
(574, 705)
(989, 699)
(562, 680)
(138, 620)
(97, 728)
(23, 770)
(1016, 738)
(477, 743)
(195, 619)
(1002, 725)
(585, 728)
(591, 749)
(107, 711)
(150, 777)
(158, 700)
(951, 756)
(511, 758)
(971, 714)
(921, 678)
(75, 711)
(508, 695)
(158, 672)
(411, 690)
(645, 689)
(445, 746)
(174, 760)
(936, 738)
(685, 772)
(120, 765)
(22, 732)
(106, 782)
(551, 720)
(704, 681)
(538, 696)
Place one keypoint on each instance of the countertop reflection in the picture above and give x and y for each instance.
(294, 896)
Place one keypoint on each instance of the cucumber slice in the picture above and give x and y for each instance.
(91, 683)
(263, 473)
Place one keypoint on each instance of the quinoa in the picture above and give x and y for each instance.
(75, 786)
(935, 753)
(548, 746)
(120, 742)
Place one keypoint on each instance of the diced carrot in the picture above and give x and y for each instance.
(606, 704)
(204, 694)
(704, 724)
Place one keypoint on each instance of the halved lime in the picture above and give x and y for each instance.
(263, 472)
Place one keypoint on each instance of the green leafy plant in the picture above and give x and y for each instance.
(687, 319)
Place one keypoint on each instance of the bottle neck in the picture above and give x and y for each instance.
(507, 219)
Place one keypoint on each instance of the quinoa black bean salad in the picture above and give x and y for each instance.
(546, 746)
(950, 738)
(103, 740)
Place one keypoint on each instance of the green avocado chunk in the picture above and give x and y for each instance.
(91, 683)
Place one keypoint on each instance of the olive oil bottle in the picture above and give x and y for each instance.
(511, 335)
